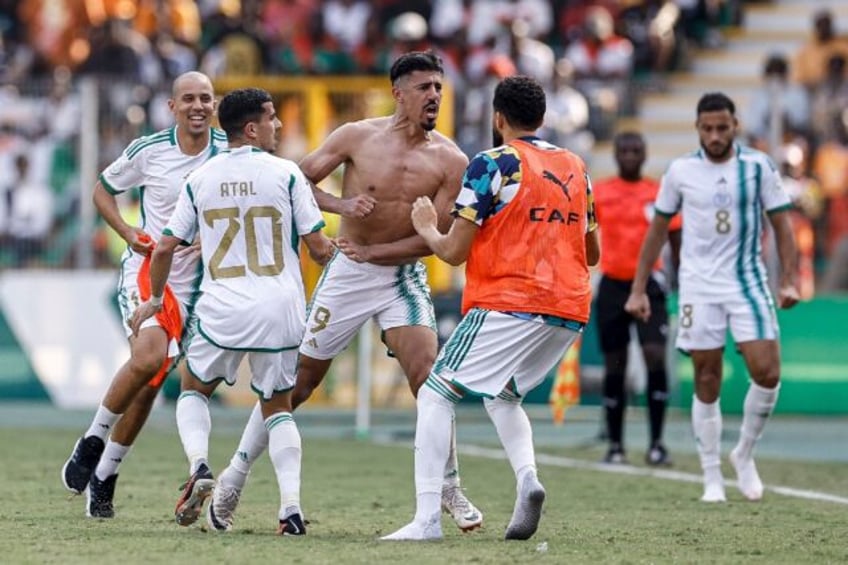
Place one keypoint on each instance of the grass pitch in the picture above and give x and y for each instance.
(355, 491)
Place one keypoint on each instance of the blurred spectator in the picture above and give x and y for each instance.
(701, 20)
(778, 107)
(30, 214)
(235, 45)
(600, 53)
(346, 21)
(56, 29)
(179, 19)
(602, 63)
(810, 63)
(285, 25)
(567, 115)
(532, 57)
(650, 27)
(830, 167)
(449, 19)
(808, 206)
(328, 56)
(830, 101)
(117, 50)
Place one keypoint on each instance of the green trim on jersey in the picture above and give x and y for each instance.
(402, 284)
(109, 188)
(249, 349)
(276, 419)
(261, 393)
(664, 213)
(141, 206)
(192, 299)
(783, 208)
(295, 238)
(167, 231)
(320, 283)
(194, 374)
(461, 340)
(756, 243)
(318, 227)
(137, 146)
(438, 385)
(740, 256)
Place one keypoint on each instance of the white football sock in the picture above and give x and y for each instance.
(706, 424)
(452, 465)
(254, 440)
(102, 423)
(759, 404)
(194, 425)
(514, 431)
(433, 426)
(112, 457)
(284, 448)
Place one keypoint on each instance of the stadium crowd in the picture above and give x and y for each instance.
(593, 58)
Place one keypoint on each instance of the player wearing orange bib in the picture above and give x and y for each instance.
(525, 224)
(625, 206)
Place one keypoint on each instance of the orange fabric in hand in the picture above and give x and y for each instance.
(169, 317)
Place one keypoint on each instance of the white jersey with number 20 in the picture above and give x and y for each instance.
(249, 207)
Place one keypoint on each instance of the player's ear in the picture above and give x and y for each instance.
(250, 130)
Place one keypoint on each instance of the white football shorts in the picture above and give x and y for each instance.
(491, 351)
(270, 371)
(704, 326)
(349, 293)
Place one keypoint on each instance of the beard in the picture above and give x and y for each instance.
(720, 155)
(497, 138)
(428, 125)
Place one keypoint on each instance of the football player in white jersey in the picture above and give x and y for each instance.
(723, 192)
(158, 164)
(248, 208)
(388, 162)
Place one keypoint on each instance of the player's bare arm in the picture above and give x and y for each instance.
(787, 295)
(106, 204)
(160, 268)
(452, 247)
(336, 150)
(637, 303)
(593, 248)
(320, 248)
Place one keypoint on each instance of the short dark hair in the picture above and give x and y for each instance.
(628, 135)
(240, 107)
(777, 64)
(715, 102)
(521, 100)
(415, 61)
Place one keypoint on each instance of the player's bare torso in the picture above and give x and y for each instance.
(394, 170)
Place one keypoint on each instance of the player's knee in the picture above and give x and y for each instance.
(767, 376)
(418, 372)
(145, 364)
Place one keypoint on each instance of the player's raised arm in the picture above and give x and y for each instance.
(318, 165)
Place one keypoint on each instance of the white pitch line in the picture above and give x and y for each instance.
(567, 462)
(666, 474)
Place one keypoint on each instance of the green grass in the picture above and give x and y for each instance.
(355, 491)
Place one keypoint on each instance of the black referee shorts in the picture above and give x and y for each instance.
(614, 322)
